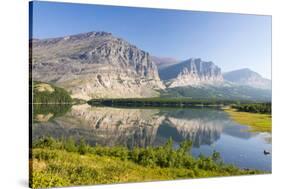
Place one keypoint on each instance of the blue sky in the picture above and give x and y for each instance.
(231, 41)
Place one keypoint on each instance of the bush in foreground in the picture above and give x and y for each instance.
(66, 162)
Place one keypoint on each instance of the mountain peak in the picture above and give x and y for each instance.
(246, 76)
(193, 71)
(91, 34)
(94, 64)
(245, 70)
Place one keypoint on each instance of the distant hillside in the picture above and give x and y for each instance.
(223, 92)
(191, 72)
(247, 77)
(45, 93)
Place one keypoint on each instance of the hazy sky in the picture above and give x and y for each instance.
(231, 41)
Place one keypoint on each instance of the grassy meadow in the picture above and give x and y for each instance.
(67, 163)
(258, 122)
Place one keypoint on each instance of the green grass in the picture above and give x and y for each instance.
(57, 163)
(258, 122)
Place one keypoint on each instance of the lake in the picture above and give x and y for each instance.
(209, 129)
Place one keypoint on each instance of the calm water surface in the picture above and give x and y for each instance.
(208, 129)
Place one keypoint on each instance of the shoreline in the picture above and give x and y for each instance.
(257, 122)
(80, 163)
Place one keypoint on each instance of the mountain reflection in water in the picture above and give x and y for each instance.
(209, 129)
(138, 127)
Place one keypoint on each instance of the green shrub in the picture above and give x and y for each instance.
(147, 157)
(264, 108)
(69, 145)
(163, 156)
(45, 155)
(59, 163)
(47, 142)
(46, 180)
(82, 147)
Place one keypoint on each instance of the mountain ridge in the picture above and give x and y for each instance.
(193, 71)
(101, 65)
(95, 65)
(248, 77)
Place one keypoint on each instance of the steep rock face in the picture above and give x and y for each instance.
(247, 77)
(192, 72)
(94, 65)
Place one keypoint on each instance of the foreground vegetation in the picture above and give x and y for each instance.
(66, 162)
(258, 122)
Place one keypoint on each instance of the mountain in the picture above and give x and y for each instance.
(100, 65)
(225, 91)
(247, 77)
(192, 72)
(163, 62)
(198, 79)
(95, 65)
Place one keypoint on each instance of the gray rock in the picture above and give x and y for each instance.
(94, 65)
(192, 72)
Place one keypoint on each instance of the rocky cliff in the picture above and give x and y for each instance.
(95, 65)
(192, 72)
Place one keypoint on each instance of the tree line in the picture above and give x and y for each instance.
(264, 108)
(58, 96)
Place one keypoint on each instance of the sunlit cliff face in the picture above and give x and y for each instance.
(95, 65)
